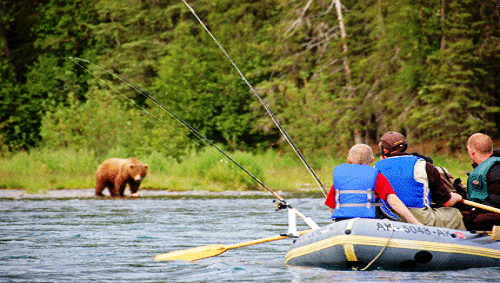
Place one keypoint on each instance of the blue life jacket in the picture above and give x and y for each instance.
(400, 171)
(477, 187)
(354, 185)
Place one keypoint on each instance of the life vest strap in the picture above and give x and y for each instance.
(359, 205)
(368, 192)
(369, 197)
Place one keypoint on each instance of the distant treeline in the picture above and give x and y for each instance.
(333, 72)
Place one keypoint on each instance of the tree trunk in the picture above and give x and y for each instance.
(443, 24)
(357, 133)
(381, 18)
(343, 35)
(358, 136)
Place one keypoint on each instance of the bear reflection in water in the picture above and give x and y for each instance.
(116, 173)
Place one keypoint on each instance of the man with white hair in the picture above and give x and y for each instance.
(357, 188)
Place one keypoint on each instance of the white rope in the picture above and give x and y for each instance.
(383, 249)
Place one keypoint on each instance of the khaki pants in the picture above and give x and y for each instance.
(446, 217)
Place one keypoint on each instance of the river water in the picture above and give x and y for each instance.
(114, 240)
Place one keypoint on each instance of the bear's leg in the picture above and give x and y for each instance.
(119, 188)
(134, 188)
(114, 189)
(130, 183)
(122, 190)
(99, 187)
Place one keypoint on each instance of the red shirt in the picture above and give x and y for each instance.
(382, 189)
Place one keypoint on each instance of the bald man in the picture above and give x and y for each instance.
(483, 185)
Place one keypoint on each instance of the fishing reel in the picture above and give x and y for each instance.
(281, 205)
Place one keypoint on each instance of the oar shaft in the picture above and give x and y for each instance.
(264, 240)
(214, 250)
(482, 206)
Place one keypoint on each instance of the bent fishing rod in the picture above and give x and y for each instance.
(282, 202)
(276, 122)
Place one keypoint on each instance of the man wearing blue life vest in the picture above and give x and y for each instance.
(417, 183)
(483, 184)
(358, 186)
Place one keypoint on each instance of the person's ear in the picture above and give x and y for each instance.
(371, 160)
(384, 152)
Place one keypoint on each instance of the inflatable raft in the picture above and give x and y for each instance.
(375, 243)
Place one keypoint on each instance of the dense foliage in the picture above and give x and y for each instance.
(331, 76)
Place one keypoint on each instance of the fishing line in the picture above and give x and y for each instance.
(75, 60)
(282, 202)
(179, 119)
(322, 188)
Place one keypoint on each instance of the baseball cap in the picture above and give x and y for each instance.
(394, 141)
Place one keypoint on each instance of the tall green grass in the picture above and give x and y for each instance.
(45, 169)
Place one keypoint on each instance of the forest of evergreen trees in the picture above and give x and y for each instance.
(333, 72)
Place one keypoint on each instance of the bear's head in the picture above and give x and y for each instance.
(137, 171)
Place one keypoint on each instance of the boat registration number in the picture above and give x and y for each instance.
(414, 229)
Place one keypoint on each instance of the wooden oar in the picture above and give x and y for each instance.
(213, 250)
(482, 206)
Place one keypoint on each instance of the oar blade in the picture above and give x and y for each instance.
(193, 254)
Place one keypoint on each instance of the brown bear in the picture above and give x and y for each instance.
(116, 173)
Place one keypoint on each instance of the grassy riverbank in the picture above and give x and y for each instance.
(42, 170)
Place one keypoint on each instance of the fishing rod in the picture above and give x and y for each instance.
(276, 122)
(282, 202)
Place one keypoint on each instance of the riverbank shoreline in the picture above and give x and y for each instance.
(17, 194)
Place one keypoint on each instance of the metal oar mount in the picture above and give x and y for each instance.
(213, 250)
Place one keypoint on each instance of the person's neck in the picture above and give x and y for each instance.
(482, 157)
(397, 153)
